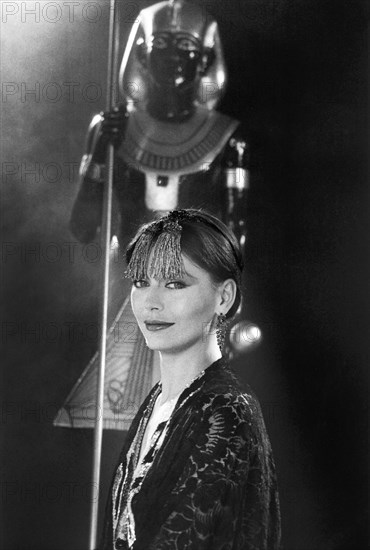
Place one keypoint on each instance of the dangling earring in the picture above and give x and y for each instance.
(221, 330)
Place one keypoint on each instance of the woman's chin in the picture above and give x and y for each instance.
(156, 344)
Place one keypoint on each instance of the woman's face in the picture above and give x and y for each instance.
(177, 314)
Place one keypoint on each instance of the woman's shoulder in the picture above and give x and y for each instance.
(220, 379)
(217, 400)
(223, 393)
(243, 403)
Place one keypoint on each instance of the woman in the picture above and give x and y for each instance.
(196, 471)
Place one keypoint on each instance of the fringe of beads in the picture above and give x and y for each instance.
(137, 267)
(166, 254)
(166, 259)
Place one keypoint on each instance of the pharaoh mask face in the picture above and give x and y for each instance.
(174, 59)
(174, 45)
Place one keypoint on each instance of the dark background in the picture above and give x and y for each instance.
(298, 84)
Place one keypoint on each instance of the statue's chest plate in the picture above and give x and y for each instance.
(169, 149)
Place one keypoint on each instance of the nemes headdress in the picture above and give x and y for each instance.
(172, 16)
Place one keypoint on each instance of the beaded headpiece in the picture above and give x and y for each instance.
(161, 240)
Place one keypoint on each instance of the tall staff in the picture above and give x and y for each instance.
(105, 241)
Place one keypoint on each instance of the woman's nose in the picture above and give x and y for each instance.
(153, 300)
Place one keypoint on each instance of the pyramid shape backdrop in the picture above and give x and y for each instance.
(129, 376)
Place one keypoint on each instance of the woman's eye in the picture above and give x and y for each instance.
(175, 285)
(140, 283)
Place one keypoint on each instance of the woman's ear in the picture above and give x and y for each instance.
(228, 295)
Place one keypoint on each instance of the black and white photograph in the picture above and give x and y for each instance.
(184, 247)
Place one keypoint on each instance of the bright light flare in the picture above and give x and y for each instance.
(245, 336)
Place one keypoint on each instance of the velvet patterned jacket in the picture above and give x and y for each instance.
(212, 484)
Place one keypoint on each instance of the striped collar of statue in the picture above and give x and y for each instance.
(152, 145)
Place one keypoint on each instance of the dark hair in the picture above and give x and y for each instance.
(207, 241)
